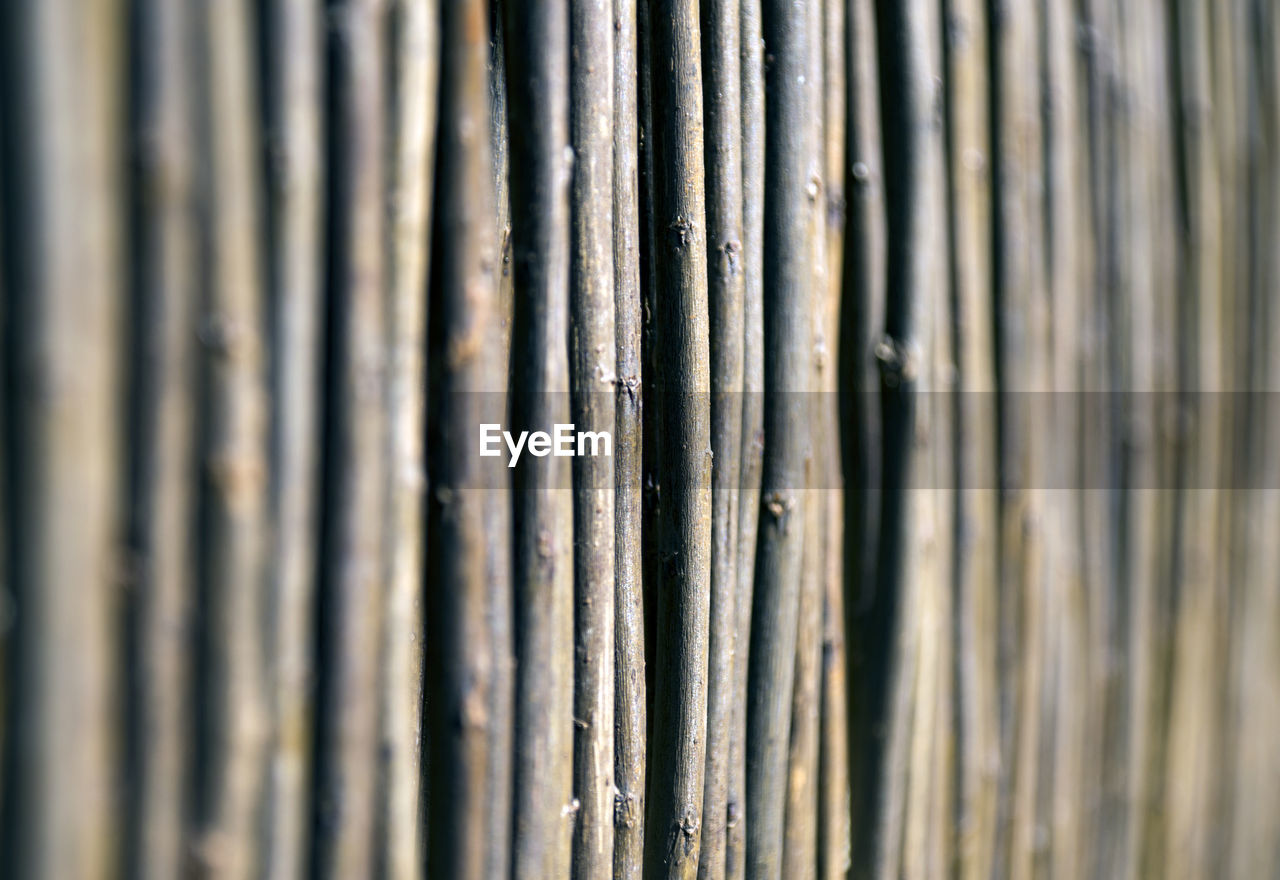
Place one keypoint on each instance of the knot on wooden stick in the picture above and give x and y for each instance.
(681, 230)
(690, 831)
(626, 809)
(780, 504)
(897, 362)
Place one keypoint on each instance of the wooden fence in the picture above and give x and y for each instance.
(938, 347)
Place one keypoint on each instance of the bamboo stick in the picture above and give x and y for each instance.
(651, 363)
(1138, 315)
(353, 581)
(834, 832)
(64, 262)
(292, 52)
(862, 319)
(800, 834)
(751, 72)
(629, 643)
(233, 452)
(160, 376)
(678, 742)
(833, 761)
(1254, 635)
(721, 37)
(537, 43)
(8, 599)
(886, 624)
(969, 188)
(928, 825)
(413, 52)
(468, 534)
(787, 303)
(592, 378)
(799, 857)
(1107, 826)
(1200, 718)
(1018, 274)
(1067, 692)
(1234, 127)
(1158, 139)
(498, 500)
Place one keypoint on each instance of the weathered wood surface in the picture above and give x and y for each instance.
(937, 346)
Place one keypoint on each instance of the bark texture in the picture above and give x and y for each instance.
(934, 342)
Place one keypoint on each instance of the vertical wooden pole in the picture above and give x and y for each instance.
(537, 56)
(678, 741)
(293, 110)
(592, 380)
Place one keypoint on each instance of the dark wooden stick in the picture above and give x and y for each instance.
(629, 647)
(352, 582)
(787, 368)
(537, 55)
(862, 320)
(8, 636)
(885, 619)
(465, 672)
(678, 744)
(651, 364)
